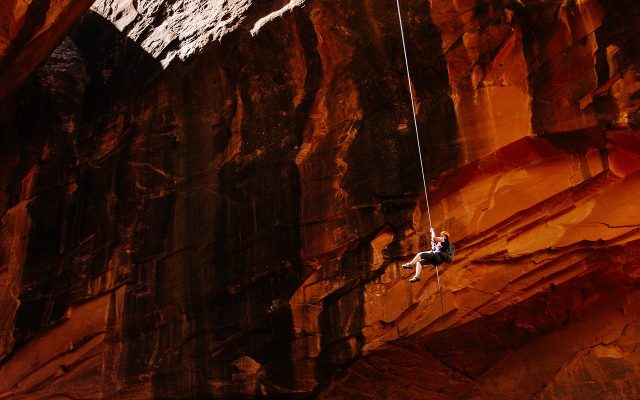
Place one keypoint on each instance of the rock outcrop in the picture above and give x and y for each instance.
(29, 31)
(206, 199)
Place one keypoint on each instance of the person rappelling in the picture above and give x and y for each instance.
(442, 250)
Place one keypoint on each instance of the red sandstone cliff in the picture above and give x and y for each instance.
(29, 31)
(206, 199)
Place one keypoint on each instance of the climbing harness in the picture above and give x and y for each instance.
(424, 179)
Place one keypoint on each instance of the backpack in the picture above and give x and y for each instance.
(449, 253)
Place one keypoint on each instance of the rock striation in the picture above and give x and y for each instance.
(206, 199)
(30, 30)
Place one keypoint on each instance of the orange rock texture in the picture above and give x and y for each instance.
(206, 199)
(29, 31)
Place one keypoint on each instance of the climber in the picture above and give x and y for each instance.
(442, 250)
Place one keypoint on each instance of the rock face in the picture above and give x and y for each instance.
(206, 199)
(29, 31)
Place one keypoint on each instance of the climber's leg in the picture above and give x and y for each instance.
(413, 262)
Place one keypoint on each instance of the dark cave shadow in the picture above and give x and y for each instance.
(33, 117)
(118, 66)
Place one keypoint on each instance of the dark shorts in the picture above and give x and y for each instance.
(431, 257)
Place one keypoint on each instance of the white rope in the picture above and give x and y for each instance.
(413, 109)
(424, 179)
(440, 289)
(446, 342)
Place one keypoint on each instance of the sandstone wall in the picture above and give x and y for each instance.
(29, 31)
(205, 199)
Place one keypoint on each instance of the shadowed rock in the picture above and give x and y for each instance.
(30, 31)
(224, 213)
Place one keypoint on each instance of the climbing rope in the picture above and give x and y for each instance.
(446, 342)
(424, 179)
(440, 289)
(413, 110)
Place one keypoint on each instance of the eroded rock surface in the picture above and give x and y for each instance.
(213, 200)
(29, 31)
(178, 28)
